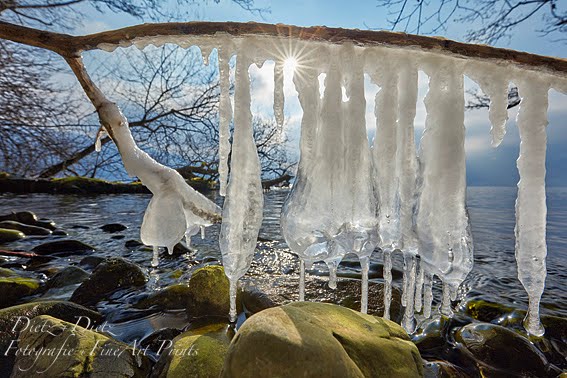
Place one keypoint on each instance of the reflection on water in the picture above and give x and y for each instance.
(491, 210)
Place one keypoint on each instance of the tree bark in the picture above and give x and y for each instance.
(71, 46)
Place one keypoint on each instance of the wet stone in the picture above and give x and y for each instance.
(8, 235)
(25, 228)
(113, 227)
(62, 247)
(108, 277)
(14, 289)
(68, 276)
(91, 262)
(171, 298)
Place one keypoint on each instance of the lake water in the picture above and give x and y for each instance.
(493, 277)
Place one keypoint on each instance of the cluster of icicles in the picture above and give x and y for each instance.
(352, 196)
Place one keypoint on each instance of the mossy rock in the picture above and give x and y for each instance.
(108, 277)
(306, 339)
(498, 350)
(486, 311)
(171, 298)
(88, 353)
(208, 292)
(14, 319)
(196, 353)
(68, 276)
(64, 247)
(25, 228)
(5, 272)
(15, 288)
(8, 235)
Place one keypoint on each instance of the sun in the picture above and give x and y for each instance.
(290, 64)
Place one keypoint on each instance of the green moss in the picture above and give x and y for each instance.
(28, 282)
(176, 274)
(170, 298)
(8, 235)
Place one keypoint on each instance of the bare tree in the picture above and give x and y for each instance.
(478, 100)
(498, 19)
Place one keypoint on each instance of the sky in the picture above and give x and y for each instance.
(486, 166)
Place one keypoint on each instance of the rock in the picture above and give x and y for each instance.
(498, 350)
(25, 228)
(171, 298)
(60, 232)
(88, 353)
(486, 311)
(113, 227)
(91, 261)
(307, 339)
(196, 353)
(14, 319)
(4, 272)
(26, 217)
(109, 276)
(133, 243)
(15, 288)
(208, 292)
(7, 235)
(255, 300)
(160, 339)
(62, 247)
(68, 276)
(45, 223)
(443, 369)
(431, 336)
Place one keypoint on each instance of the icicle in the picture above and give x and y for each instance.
(242, 211)
(406, 277)
(170, 249)
(101, 133)
(155, 258)
(332, 265)
(427, 295)
(419, 287)
(279, 92)
(442, 221)
(232, 313)
(364, 264)
(531, 211)
(446, 301)
(301, 280)
(202, 232)
(494, 83)
(188, 240)
(387, 273)
(408, 319)
(225, 110)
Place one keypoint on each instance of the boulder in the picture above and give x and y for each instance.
(15, 288)
(113, 227)
(8, 235)
(208, 292)
(498, 350)
(307, 339)
(108, 277)
(14, 319)
(171, 298)
(25, 228)
(68, 276)
(196, 353)
(86, 353)
(62, 247)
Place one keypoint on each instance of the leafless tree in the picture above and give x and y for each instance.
(497, 19)
(478, 100)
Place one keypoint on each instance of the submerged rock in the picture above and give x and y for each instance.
(88, 353)
(171, 298)
(443, 369)
(26, 217)
(319, 339)
(486, 311)
(8, 235)
(62, 246)
(498, 350)
(60, 232)
(91, 261)
(14, 288)
(108, 277)
(113, 227)
(208, 292)
(68, 276)
(196, 353)
(25, 228)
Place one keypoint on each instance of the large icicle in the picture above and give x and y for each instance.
(298, 221)
(225, 112)
(242, 211)
(442, 221)
(384, 158)
(531, 211)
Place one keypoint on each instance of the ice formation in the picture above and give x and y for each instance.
(349, 197)
(243, 205)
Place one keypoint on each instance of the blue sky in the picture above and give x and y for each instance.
(485, 165)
